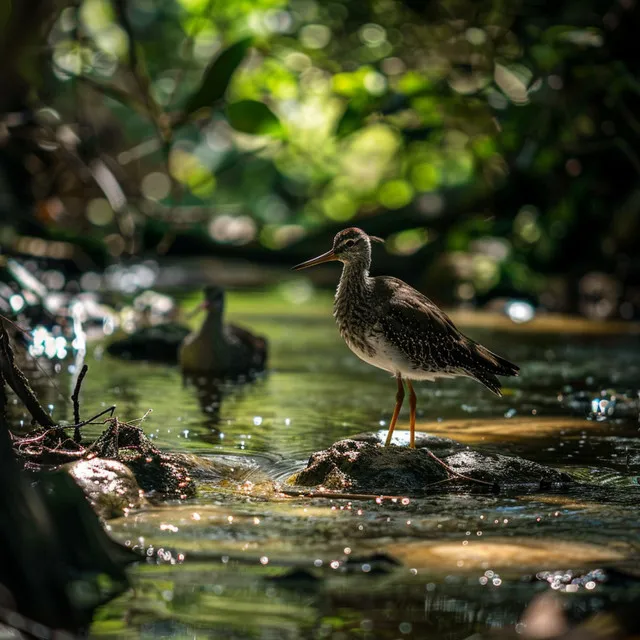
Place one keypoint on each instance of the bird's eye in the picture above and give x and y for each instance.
(349, 243)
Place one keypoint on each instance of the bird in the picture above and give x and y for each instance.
(218, 349)
(394, 327)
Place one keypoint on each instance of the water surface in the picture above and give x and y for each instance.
(467, 563)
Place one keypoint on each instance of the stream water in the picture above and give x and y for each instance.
(243, 561)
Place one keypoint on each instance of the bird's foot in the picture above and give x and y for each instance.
(453, 473)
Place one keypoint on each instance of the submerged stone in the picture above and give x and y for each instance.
(351, 465)
(505, 470)
(109, 485)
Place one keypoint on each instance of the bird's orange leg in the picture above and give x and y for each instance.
(412, 426)
(412, 415)
(396, 411)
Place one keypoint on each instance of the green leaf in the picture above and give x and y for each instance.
(217, 77)
(250, 116)
(350, 121)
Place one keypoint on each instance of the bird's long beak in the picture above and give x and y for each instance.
(203, 306)
(325, 257)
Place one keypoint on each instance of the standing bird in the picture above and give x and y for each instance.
(219, 349)
(390, 325)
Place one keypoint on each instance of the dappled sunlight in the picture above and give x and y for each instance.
(507, 553)
(491, 430)
(182, 424)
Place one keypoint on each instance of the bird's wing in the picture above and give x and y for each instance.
(246, 336)
(416, 326)
(255, 345)
(429, 339)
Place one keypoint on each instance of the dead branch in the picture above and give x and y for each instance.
(76, 401)
(19, 383)
(108, 410)
(295, 493)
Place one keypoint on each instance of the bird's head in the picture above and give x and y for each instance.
(351, 245)
(213, 298)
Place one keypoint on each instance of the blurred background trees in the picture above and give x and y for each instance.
(494, 144)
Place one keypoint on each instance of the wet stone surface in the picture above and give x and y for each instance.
(506, 471)
(352, 465)
(156, 472)
(110, 486)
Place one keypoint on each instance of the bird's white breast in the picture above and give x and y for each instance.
(391, 359)
(384, 355)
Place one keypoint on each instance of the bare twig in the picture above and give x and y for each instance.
(336, 495)
(76, 402)
(108, 410)
(295, 493)
(19, 383)
(111, 91)
(76, 393)
(455, 474)
(61, 427)
(35, 360)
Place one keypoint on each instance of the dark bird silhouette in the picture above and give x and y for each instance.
(218, 349)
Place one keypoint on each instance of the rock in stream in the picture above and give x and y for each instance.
(368, 467)
(110, 486)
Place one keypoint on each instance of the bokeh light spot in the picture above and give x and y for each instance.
(156, 185)
(315, 36)
(99, 212)
(395, 194)
(372, 34)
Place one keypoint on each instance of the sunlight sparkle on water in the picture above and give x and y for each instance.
(520, 311)
(17, 302)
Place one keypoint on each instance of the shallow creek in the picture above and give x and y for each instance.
(244, 561)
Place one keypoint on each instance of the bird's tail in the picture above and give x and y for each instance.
(487, 366)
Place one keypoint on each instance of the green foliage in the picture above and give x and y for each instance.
(249, 116)
(405, 113)
(217, 77)
(350, 121)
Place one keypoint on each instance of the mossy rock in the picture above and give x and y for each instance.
(110, 486)
(155, 471)
(368, 467)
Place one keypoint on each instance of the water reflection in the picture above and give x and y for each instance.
(247, 603)
(209, 392)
